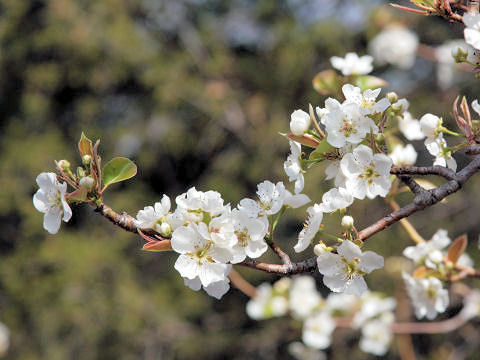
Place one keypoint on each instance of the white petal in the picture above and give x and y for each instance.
(194, 284)
(187, 267)
(51, 221)
(330, 264)
(40, 201)
(217, 289)
(211, 272)
(183, 239)
(370, 261)
(357, 286)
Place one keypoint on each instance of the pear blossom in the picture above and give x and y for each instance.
(334, 171)
(395, 45)
(216, 289)
(304, 297)
(352, 64)
(376, 336)
(447, 72)
(293, 168)
(317, 330)
(348, 125)
(429, 253)
(472, 29)
(431, 125)
(310, 228)
(330, 105)
(198, 256)
(367, 174)
(403, 155)
(266, 304)
(410, 127)
(335, 199)
(366, 100)
(471, 305)
(301, 352)
(343, 272)
(154, 217)
(50, 200)
(299, 122)
(193, 204)
(347, 222)
(427, 295)
(373, 305)
(250, 234)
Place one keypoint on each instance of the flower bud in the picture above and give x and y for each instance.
(392, 97)
(86, 160)
(87, 182)
(459, 54)
(299, 122)
(64, 165)
(347, 222)
(80, 172)
(163, 229)
(319, 249)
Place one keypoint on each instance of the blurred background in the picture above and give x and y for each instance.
(195, 92)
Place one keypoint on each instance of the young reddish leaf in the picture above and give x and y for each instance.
(327, 82)
(85, 146)
(153, 245)
(306, 140)
(457, 248)
(423, 272)
(78, 195)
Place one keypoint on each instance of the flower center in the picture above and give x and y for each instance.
(348, 128)
(242, 237)
(369, 174)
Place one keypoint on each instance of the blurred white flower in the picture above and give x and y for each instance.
(265, 304)
(404, 155)
(410, 127)
(395, 45)
(472, 29)
(427, 295)
(376, 336)
(317, 330)
(50, 200)
(429, 253)
(352, 64)
(343, 272)
(342, 304)
(471, 305)
(373, 305)
(446, 65)
(304, 297)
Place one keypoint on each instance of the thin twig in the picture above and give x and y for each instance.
(241, 284)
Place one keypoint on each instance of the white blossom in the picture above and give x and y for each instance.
(342, 304)
(299, 122)
(367, 101)
(334, 171)
(352, 64)
(295, 201)
(293, 168)
(317, 330)
(429, 253)
(50, 200)
(330, 105)
(310, 228)
(198, 256)
(472, 29)
(152, 217)
(410, 127)
(348, 125)
(443, 156)
(271, 196)
(431, 125)
(427, 295)
(304, 297)
(250, 233)
(216, 289)
(343, 272)
(376, 336)
(335, 199)
(395, 45)
(367, 174)
(193, 204)
(404, 155)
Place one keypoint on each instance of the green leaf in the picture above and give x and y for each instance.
(85, 146)
(319, 152)
(118, 169)
(365, 82)
(327, 82)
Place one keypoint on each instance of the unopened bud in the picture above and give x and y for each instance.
(86, 160)
(460, 55)
(64, 165)
(392, 97)
(347, 222)
(87, 182)
(319, 249)
(80, 172)
(380, 138)
(164, 229)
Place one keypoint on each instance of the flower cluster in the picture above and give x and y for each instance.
(372, 312)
